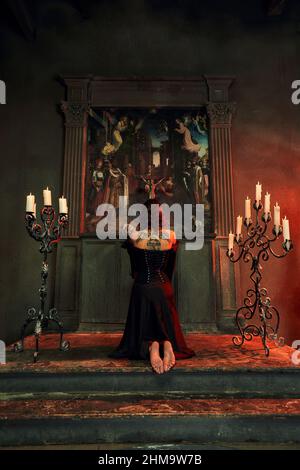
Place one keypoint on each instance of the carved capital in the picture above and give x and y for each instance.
(220, 113)
(75, 113)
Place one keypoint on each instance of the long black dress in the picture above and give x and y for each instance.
(152, 314)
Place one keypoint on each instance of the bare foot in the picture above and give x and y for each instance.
(169, 358)
(155, 359)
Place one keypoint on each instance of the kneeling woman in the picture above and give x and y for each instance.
(152, 329)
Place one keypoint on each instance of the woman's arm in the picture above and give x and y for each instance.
(127, 245)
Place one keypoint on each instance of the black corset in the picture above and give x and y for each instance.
(150, 266)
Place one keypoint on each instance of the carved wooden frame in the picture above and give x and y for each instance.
(210, 91)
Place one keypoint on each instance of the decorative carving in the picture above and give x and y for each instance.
(75, 147)
(220, 113)
(75, 113)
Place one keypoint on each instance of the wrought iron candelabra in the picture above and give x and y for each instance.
(257, 317)
(47, 233)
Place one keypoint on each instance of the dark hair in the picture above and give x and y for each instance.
(149, 203)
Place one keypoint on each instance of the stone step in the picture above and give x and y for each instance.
(213, 383)
(218, 369)
(136, 418)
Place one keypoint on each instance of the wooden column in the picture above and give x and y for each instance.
(220, 111)
(220, 115)
(75, 110)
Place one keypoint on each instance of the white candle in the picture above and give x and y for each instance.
(47, 197)
(239, 221)
(248, 208)
(276, 215)
(63, 209)
(286, 228)
(30, 200)
(267, 203)
(230, 241)
(258, 192)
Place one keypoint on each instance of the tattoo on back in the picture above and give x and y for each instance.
(154, 244)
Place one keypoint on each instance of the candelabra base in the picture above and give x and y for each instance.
(238, 341)
(41, 324)
(258, 318)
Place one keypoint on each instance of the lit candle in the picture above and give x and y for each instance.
(286, 228)
(230, 241)
(239, 221)
(258, 192)
(63, 208)
(47, 197)
(30, 201)
(267, 203)
(276, 215)
(248, 208)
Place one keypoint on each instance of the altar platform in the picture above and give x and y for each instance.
(82, 396)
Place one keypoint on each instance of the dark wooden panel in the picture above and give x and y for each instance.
(125, 284)
(67, 298)
(66, 283)
(227, 280)
(100, 279)
(225, 274)
(148, 92)
(195, 292)
(106, 286)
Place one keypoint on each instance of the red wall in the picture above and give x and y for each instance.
(266, 147)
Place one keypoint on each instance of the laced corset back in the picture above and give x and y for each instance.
(150, 265)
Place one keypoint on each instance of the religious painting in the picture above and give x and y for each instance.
(144, 153)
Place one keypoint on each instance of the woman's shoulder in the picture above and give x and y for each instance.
(169, 235)
(139, 239)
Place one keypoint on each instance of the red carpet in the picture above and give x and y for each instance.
(89, 352)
